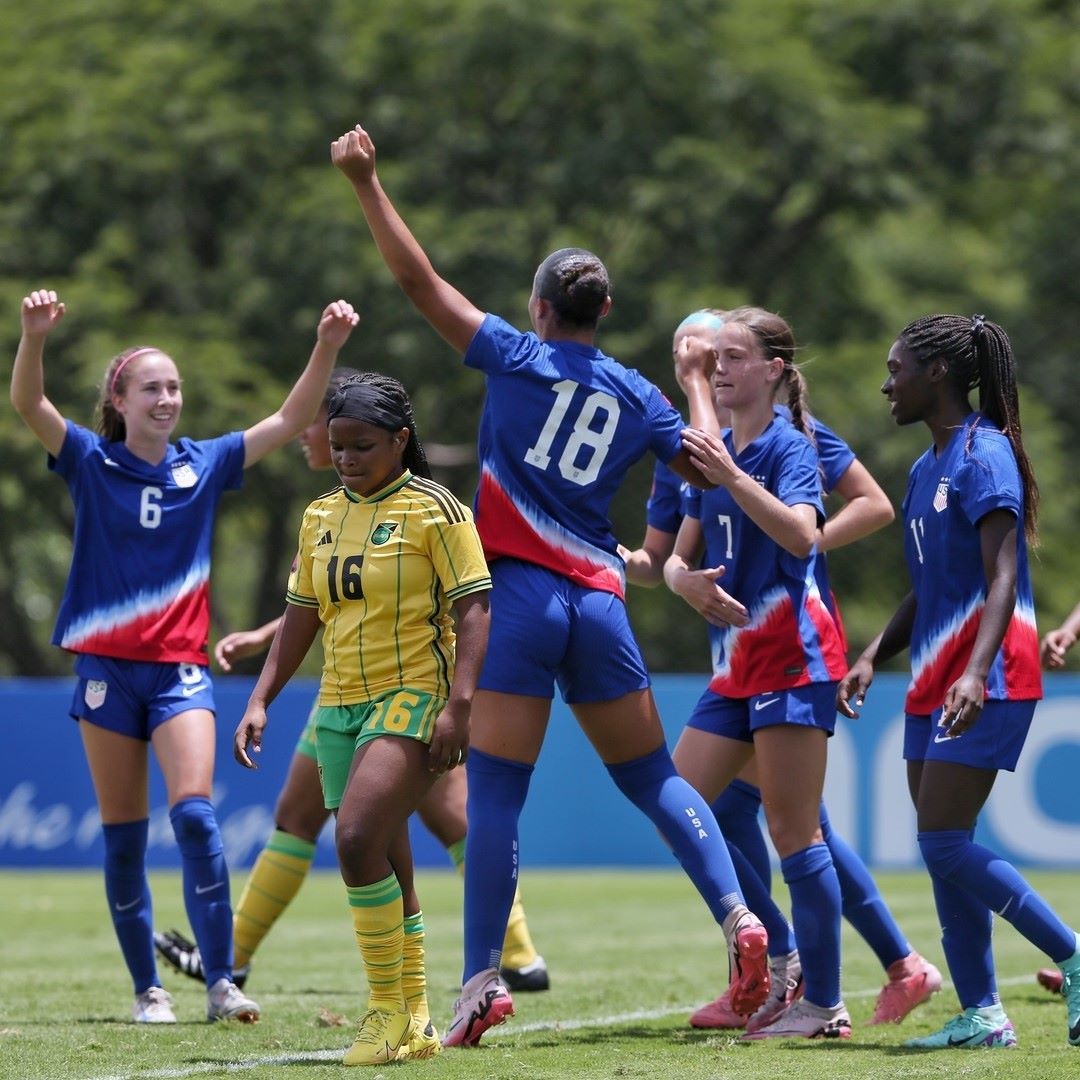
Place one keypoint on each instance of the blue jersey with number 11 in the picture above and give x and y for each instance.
(948, 495)
(562, 423)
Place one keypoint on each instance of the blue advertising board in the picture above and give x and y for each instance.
(574, 816)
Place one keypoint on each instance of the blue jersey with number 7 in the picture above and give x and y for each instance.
(561, 425)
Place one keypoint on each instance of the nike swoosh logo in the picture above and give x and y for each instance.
(189, 690)
(109, 461)
(128, 907)
(946, 737)
(199, 889)
(963, 1041)
(759, 705)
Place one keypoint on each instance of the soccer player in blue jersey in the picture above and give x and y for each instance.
(300, 812)
(969, 621)
(136, 613)
(866, 508)
(562, 423)
(778, 647)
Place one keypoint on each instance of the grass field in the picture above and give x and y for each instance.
(630, 954)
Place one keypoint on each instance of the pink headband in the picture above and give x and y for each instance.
(124, 363)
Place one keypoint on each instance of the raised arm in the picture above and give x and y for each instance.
(866, 509)
(41, 311)
(454, 317)
(302, 404)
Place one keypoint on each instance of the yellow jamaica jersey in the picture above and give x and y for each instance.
(383, 572)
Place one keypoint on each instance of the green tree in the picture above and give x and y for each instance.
(850, 165)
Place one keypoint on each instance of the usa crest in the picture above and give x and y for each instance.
(941, 496)
(383, 532)
(95, 693)
(184, 475)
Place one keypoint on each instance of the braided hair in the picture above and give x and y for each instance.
(778, 340)
(380, 400)
(979, 354)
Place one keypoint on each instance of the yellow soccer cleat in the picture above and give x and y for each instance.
(382, 1034)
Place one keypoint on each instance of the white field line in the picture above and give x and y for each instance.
(493, 1038)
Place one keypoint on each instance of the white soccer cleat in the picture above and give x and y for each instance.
(225, 1001)
(153, 1006)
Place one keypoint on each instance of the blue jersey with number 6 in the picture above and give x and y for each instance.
(139, 585)
(562, 423)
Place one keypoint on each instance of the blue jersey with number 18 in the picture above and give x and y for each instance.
(562, 423)
(139, 585)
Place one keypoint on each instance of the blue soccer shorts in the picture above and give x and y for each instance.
(994, 741)
(738, 718)
(133, 697)
(545, 629)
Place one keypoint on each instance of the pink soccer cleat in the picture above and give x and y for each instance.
(748, 962)
(1050, 979)
(911, 981)
(719, 1014)
(484, 1002)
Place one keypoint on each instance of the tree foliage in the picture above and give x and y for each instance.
(850, 165)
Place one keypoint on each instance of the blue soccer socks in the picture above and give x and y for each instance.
(128, 894)
(206, 884)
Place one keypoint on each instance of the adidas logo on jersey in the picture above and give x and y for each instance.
(326, 539)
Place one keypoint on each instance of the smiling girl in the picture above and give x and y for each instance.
(136, 612)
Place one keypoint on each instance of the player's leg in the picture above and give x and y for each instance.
(283, 865)
(184, 743)
(278, 872)
(790, 741)
(118, 769)
(911, 978)
(627, 735)
(443, 812)
(388, 778)
(526, 644)
(956, 778)
(507, 734)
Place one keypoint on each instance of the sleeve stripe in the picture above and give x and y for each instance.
(301, 601)
(481, 585)
(450, 507)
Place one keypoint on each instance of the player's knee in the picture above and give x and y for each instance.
(944, 851)
(641, 780)
(195, 828)
(125, 846)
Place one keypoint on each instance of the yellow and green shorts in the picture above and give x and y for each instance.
(340, 730)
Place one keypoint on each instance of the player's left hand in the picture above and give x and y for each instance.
(336, 323)
(354, 155)
(709, 456)
(694, 356)
(450, 742)
(962, 706)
